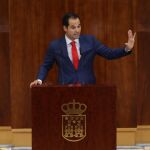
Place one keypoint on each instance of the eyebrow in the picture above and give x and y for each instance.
(77, 25)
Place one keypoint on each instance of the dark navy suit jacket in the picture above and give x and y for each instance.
(89, 48)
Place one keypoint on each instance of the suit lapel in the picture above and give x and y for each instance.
(84, 47)
(63, 47)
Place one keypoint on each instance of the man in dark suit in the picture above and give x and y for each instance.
(74, 54)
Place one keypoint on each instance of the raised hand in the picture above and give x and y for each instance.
(131, 40)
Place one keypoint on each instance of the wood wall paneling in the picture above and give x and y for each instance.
(122, 72)
(21, 56)
(35, 23)
(4, 12)
(4, 64)
(143, 69)
(124, 76)
(143, 88)
(143, 11)
(5, 80)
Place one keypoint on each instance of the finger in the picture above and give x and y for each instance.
(31, 85)
(134, 35)
(38, 83)
(130, 34)
(129, 30)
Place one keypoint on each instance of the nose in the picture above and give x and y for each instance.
(77, 30)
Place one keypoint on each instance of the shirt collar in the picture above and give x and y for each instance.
(68, 41)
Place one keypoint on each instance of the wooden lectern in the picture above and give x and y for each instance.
(73, 117)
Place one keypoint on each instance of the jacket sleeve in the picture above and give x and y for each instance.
(109, 53)
(47, 64)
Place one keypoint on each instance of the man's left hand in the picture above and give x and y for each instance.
(131, 40)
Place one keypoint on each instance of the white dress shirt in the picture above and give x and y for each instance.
(69, 46)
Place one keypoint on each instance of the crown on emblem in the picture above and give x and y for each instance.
(73, 108)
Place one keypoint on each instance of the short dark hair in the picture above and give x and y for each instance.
(67, 16)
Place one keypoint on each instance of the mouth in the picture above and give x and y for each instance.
(77, 34)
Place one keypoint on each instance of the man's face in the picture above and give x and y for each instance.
(74, 29)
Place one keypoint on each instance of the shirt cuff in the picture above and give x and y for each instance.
(127, 50)
(40, 81)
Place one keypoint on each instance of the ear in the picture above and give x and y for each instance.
(65, 28)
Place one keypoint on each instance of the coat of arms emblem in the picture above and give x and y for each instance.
(74, 121)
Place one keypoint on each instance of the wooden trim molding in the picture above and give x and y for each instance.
(16, 137)
(22, 137)
(125, 136)
(5, 135)
(143, 134)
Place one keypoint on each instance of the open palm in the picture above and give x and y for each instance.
(131, 40)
